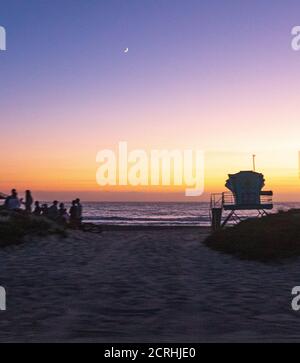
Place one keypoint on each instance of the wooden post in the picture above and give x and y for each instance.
(254, 166)
(216, 214)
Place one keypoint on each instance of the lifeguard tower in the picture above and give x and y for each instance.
(245, 194)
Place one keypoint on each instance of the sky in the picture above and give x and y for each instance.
(215, 75)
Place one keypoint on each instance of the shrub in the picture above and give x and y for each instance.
(272, 237)
(14, 226)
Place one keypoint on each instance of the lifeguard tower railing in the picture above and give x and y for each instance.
(227, 201)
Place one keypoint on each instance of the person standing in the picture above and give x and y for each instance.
(74, 214)
(63, 214)
(28, 201)
(53, 211)
(79, 211)
(12, 202)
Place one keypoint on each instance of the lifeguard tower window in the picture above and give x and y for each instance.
(245, 194)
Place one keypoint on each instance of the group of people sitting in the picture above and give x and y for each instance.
(56, 212)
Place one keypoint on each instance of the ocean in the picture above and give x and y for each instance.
(156, 214)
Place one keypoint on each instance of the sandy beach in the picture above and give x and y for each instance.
(142, 284)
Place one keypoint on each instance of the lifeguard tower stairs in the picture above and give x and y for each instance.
(245, 195)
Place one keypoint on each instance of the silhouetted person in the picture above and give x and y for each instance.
(12, 202)
(79, 210)
(63, 214)
(37, 209)
(61, 209)
(7, 199)
(45, 210)
(53, 211)
(28, 201)
(74, 214)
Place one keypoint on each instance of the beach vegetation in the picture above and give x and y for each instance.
(274, 237)
(15, 226)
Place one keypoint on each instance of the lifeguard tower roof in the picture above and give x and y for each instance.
(246, 187)
(245, 194)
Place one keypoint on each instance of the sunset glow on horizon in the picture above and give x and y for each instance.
(192, 78)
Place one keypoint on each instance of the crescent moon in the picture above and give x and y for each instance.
(126, 50)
